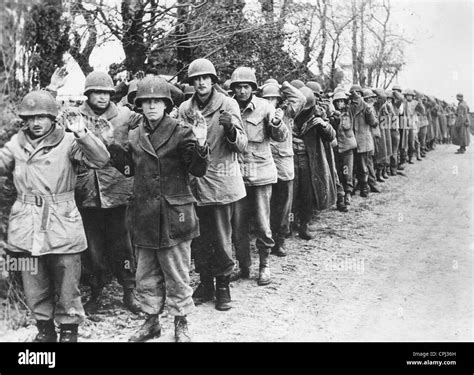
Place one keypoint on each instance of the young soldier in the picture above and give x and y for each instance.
(162, 215)
(218, 191)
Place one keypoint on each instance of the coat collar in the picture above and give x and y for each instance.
(109, 114)
(163, 132)
(214, 105)
(53, 139)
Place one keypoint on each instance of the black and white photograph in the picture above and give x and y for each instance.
(237, 171)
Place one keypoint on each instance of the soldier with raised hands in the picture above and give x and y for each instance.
(45, 226)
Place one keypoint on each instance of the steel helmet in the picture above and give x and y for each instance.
(309, 95)
(315, 86)
(380, 93)
(339, 95)
(396, 88)
(200, 67)
(153, 87)
(368, 93)
(409, 92)
(271, 90)
(356, 88)
(37, 103)
(243, 74)
(270, 80)
(99, 81)
(389, 93)
(397, 95)
(132, 91)
(297, 83)
(459, 95)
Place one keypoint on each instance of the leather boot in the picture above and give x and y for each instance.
(68, 333)
(92, 306)
(205, 290)
(181, 333)
(364, 190)
(223, 293)
(384, 173)
(242, 273)
(264, 277)
(410, 161)
(400, 167)
(150, 329)
(347, 199)
(378, 175)
(340, 204)
(46, 331)
(279, 249)
(303, 232)
(129, 301)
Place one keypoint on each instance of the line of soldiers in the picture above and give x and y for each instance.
(131, 188)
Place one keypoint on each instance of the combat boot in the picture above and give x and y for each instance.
(242, 273)
(264, 276)
(279, 249)
(223, 293)
(129, 301)
(150, 329)
(181, 333)
(92, 306)
(303, 232)
(364, 190)
(384, 173)
(68, 333)
(46, 331)
(340, 204)
(347, 199)
(378, 175)
(205, 290)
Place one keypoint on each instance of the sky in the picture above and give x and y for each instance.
(439, 61)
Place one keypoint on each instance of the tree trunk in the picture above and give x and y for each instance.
(324, 38)
(355, 65)
(267, 9)
(133, 41)
(183, 51)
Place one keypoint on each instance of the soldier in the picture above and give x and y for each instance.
(394, 133)
(218, 191)
(400, 106)
(363, 120)
(162, 215)
(413, 107)
(461, 136)
(346, 143)
(314, 186)
(45, 225)
(261, 123)
(291, 100)
(102, 196)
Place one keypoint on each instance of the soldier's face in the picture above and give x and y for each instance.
(242, 91)
(203, 85)
(99, 99)
(39, 125)
(339, 104)
(409, 98)
(153, 109)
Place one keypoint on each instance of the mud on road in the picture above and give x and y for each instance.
(397, 267)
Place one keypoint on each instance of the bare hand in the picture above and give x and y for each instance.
(278, 116)
(58, 78)
(75, 123)
(200, 128)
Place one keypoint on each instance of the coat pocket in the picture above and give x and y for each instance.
(20, 226)
(182, 218)
(255, 130)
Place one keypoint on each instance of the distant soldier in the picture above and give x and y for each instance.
(45, 225)
(262, 122)
(461, 135)
(291, 100)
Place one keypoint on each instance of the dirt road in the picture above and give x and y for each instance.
(397, 267)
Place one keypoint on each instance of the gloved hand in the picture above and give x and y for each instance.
(278, 116)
